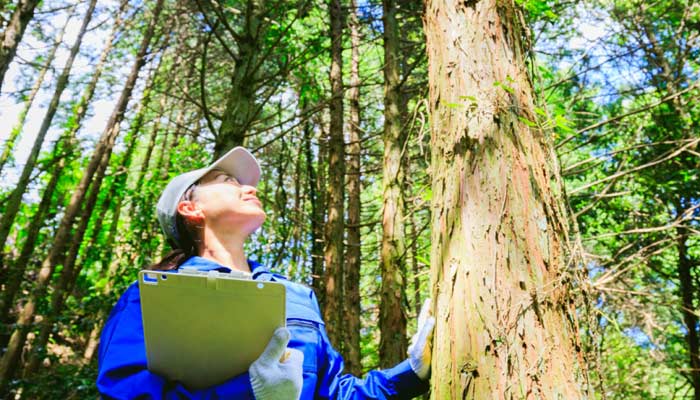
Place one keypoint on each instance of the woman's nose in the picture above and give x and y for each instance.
(249, 189)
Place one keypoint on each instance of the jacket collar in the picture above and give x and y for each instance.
(204, 265)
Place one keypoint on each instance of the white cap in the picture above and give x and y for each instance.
(238, 162)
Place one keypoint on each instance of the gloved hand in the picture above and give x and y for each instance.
(277, 373)
(420, 350)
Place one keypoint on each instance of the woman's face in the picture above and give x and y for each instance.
(226, 205)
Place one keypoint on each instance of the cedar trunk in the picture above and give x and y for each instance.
(500, 288)
(12, 35)
(353, 253)
(335, 224)
(64, 145)
(316, 190)
(392, 315)
(241, 108)
(7, 152)
(103, 147)
(13, 204)
(71, 268)
(668, 81)
(688, 292)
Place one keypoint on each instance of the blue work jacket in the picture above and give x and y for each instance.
(122, 355)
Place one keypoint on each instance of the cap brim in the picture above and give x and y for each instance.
(239, 163)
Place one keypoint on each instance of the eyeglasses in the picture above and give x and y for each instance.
(187, 196)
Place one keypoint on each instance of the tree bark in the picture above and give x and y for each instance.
(18, 267)
(392, 315)
(688, 293)
(109, 257)
(316, 198)
(241, 107)
(71, 269)
(335, 224)
(65, 147)
(17, 129)
(15, 199)
(12, 35)
(353, 255)
(501, 288)
(667, 78)
(56, 254)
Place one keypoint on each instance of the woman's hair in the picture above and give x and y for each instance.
(188, 241)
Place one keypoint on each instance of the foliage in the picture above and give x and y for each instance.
(616, 84)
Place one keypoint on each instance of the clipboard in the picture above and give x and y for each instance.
(203, 328)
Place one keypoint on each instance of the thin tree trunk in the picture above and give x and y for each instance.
(62, 288)
(688, 293)
(317, 208)
(666, 81)
(113, 263)
(79, 111)
(69, 272)
(353, 255)
(335, 226)
(501, 287)
(18, 267)
(15, 199)
(145, 230)
(392, 315)
(14, 134)
(413, 260)
(12, 274)
(150, 147)
(67, 140)
(171, 141)
(118, 190)
(104, 146)
(298, 215)
(12, 35)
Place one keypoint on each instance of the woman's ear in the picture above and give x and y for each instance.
(190, 211)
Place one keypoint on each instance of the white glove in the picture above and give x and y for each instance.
(277, 373)
(420, 350)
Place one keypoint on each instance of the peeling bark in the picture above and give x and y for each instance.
(501, 287)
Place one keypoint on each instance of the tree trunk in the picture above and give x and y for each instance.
(317, 208)
(113, 263)
(413, 260)
(299, 247)
(241, 107)
(353, 255)
(688, 293)
(335, 227)
(70, 272)
(12, 35)
(67, 142)
(104, 145)
(392, 315)
(501, 290)
(170, 142)
(669, 82)
(14, 134)
(15, 199)
(18, 267)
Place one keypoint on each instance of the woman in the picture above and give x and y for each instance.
(207, 215)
